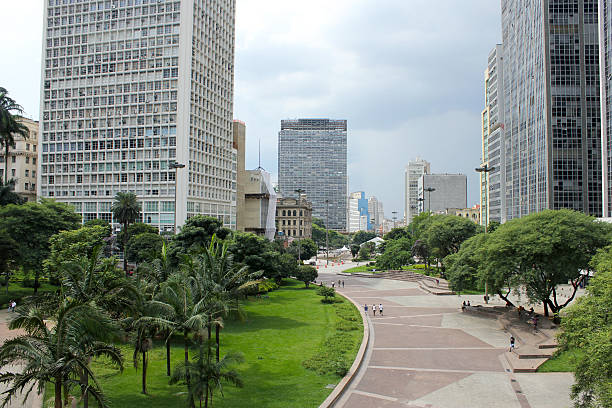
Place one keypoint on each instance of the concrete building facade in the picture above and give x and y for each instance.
(450, 192)
(473, 214)
(605, 78)
(291, 213)
(375, 210)
(312, 156)
(239, 139)
(492, 183)
(552, 106)
(358, 213)
(23, 164)
(259, 204)
(412, 173)
(128, 87)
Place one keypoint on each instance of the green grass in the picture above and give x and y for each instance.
(17, 292)
(564, 361)
(361, 268)
(278, 335)
(471, 292)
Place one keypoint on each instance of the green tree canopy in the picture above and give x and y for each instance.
(362, 236)
(306, 274)
(144, 247)
(10, 126)
(397, 253)
(445, 233)
(397, 232)
(126, 210)
(307, 250)
(463, 267)
(101, 223)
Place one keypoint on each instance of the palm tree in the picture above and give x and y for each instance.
(58, 354)
(10, 126)
(126, 210)
(205, 376)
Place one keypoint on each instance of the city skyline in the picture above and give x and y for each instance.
(272, 34)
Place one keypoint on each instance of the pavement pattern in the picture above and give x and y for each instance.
(425, 353)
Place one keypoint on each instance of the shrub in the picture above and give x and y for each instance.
(327, 292)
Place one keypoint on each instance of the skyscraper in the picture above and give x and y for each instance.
(492, 183)
(312, 157)
(413, 172)
(552, 106)
(130, 86)
(358, 212)
(605, 67)
(448, 191)
(375, 211)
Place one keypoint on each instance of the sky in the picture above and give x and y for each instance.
(406, 74)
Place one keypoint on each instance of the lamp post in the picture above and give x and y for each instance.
(486, 170)
(175, 165)
(429, 190)
(300, 192)
(421, 199)
(327, 230)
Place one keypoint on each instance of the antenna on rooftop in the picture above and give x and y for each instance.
(259, 157)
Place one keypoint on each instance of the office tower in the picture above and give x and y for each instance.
(358, 214)
(552, 106)
(374, 209)
(492, 182)
(129, 87)
(239, 134)
(259, 204)
(605, 67)
(412, 173)
(312, 157)
(23, 164)
(449, 191)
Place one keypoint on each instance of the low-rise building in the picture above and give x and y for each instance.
(259, 204)
(293, 218)
(23, 161)
(470, 213)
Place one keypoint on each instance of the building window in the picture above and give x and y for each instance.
(13, 159)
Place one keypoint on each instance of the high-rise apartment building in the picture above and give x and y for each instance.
(552, 106)
(358, 212)
(492, 183)
(129, 87)
(605, 70)
(312, 156)
(23, 162)
(412, 173)
(375, 212)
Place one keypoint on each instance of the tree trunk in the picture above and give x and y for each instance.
(84, 384)
(217, 330)
(66, 395)
(190, 400)
(125, 239)
(505, 298)
(58, 393)
(545, 308)
(144, 372)
(168, 356)
(36, 281)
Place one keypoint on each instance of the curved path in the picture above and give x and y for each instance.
(425, 353)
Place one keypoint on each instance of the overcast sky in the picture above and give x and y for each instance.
(406, 74)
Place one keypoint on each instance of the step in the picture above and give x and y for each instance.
(549, 344)
(531, 352)
(519, 365)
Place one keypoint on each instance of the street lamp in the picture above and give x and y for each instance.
(175, 165)
(486, 170)
(429, 190)
(300, 192)
(327, 230)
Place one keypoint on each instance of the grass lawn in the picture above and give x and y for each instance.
(361, 269)
(564, 361)
(278, 334)
(17, 292)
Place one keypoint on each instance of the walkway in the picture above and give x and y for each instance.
(34, 400)
(424, 352)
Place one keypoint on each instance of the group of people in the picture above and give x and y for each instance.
(340, 284)
(12, 305)
(464, 305)
(374, 309)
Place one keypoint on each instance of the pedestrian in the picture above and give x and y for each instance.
(463, 305)
(380, 309)
(374, 308)
(333, 284)
(339, 282)
(13, 306)
(10, 305)
(365, 307)
(468, 304)
(342, 283)
(511, 343)
(437, 282)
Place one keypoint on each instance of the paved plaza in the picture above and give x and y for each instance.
(424, 352)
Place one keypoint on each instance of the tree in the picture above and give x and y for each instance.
(144, 247)
(198, 231)
(58, 354)
(362, 236)
(9, 250)
(306, 274)
(587, 327)
(492, 226)
(327, 293)
(8, 195)
(397, 232)
(308, 248)
(255, 252)
(134, 229)
(31, 225)
(398, 252)
(419, 224)
(367, 250)
(421, 250)
(541, 251)
(445, 233)
(463, 267)
(10, 126)
(100, 223)
(126, 210)
(354, 250)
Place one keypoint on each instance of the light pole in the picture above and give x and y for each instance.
(421, 199)
(429, 190)
(175, 165)
(486, 170)
(300, 192)
(327, 230)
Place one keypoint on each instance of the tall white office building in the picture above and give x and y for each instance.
(130, 86)
(413, 172)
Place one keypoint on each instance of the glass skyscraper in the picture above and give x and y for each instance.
(312, 156)
(552, 106)
(605, 58)
(130, 86)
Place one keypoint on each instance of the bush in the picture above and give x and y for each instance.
(327, 292)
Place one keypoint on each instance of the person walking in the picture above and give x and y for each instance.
(380, 309)
(10, 305)
(511, 344)
(342, 283)
(365, 307)
(13, 306)
(374, 308)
